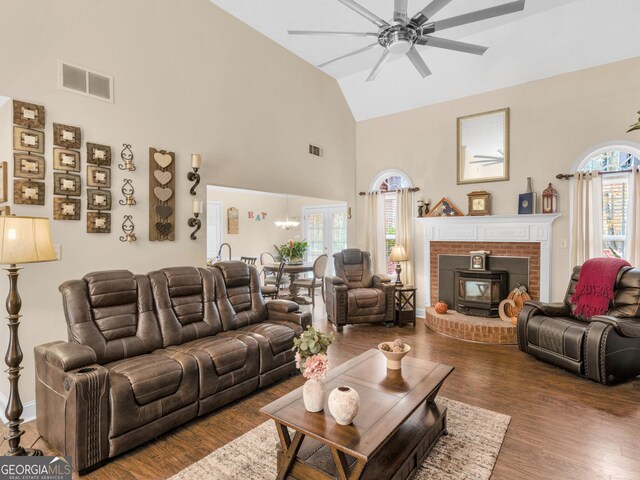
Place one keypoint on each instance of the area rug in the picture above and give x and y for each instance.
(468, 452)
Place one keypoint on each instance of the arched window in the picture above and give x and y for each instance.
(614, 161)
(389, 182)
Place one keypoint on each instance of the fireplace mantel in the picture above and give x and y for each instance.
(491, 228)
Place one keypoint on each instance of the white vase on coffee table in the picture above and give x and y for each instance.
(344, 403)
(313, 395)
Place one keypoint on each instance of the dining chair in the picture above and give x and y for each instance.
(269, 277)
(249, 260)
(317, 280)
(273, 291)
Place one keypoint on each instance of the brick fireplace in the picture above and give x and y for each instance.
(527, 250)
(503, 235)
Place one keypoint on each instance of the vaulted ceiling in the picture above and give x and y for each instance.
(548, 38)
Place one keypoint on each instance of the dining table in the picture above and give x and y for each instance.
(293, 270)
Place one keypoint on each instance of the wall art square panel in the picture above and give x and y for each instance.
(28, 166)
(66, 208)
(66, 136)
(27, 192)
(27, 140)
(28, 115)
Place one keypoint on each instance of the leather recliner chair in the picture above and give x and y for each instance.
(604, 348)
(355, 294)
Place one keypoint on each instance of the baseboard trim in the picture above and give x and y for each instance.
(420, 312)
(28, 412)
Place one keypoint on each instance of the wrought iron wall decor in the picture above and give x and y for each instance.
(196, 164)
(195, 222)
(127, 228)
(127, 192)
(127, 158)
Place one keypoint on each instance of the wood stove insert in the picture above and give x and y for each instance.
(480, 292)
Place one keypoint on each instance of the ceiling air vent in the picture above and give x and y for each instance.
(78, 79)
(315, 150)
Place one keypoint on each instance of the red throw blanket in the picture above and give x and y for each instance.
(595, 285)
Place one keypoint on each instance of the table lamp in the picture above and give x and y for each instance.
(398, 254)
(22, 240)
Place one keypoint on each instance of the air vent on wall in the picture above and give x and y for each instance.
(315, 150)
(78, 79)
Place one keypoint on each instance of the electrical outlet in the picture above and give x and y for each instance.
(564, 243)
(58, 249)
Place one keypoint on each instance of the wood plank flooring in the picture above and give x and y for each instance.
(562, 427)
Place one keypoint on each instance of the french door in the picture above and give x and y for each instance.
(325, 230)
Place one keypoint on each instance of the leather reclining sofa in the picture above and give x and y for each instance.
(603, 348)
(147, 353)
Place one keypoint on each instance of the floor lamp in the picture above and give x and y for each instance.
(22, 240)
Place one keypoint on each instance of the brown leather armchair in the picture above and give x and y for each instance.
(605, 348)
(355, 294)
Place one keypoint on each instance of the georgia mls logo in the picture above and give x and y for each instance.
(35, 468)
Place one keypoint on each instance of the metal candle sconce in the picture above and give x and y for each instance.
(196, 164)
(127, 192)
(127, 228)
(195, 222)
(127, 158)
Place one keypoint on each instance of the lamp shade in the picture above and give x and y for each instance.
(398, 254)
(25, 240)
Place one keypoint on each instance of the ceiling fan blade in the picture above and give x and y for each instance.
(355, 52)
(429, 11)
(400, 11)
(323, 32)
(378, 66)
(418, 62)
(478, 15)
(489, 158)
(451, 45)
(372, 17)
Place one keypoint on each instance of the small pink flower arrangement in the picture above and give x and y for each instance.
(315, 366)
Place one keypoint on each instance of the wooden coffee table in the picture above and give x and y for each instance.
(396, 427)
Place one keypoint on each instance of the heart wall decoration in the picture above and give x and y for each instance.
(162, 195)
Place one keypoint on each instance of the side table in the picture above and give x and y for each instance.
(406, 305)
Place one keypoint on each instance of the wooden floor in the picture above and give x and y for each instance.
(562, 427)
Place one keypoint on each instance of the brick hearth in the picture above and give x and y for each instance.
(530, 250)
(473, 329)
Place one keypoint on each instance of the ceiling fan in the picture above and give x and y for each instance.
(402, 34)
(487, 160)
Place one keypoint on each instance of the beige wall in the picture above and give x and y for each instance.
(554, 122)
(188, 78)
(256, 236)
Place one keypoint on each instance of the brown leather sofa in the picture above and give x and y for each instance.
(147, 353)
(355, 294)
(605, 348)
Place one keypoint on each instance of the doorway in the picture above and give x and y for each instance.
(214, 228)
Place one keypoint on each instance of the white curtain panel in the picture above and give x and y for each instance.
(374, 230)
(404, 232)
(586, 217)
(632, 240)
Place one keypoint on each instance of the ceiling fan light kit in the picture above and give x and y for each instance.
(401, 35)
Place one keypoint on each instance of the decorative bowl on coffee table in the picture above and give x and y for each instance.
(394, 359)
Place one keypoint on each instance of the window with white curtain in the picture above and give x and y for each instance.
(615, 193)
(390, 182)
